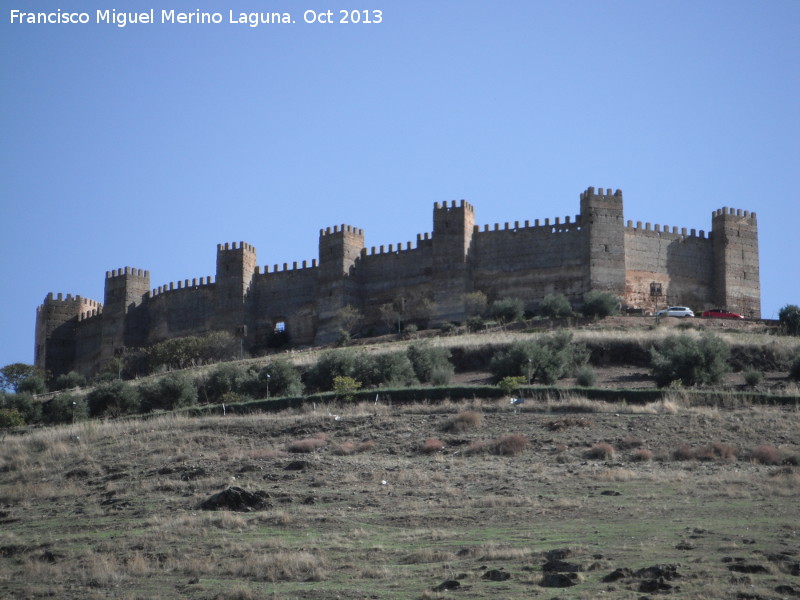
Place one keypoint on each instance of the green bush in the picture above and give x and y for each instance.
(227, 378)
(282, 378)
(24, 403)
(112, 399)
(546, 359)
(511, 385)
(65, 408)
(333, 363)
(585, 376)
(70, 380)
(35, 384)
(393, 369)
(690, 361)
(507, 310)
(345, 387)
(753, 377)
(10, 417)
(475, 324)
(555, 306)
(179, 353)
(789, 316)
(427, 360)
(167, 393)
(598, 304)
(794, 369)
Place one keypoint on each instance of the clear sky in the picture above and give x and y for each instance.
(147, 145)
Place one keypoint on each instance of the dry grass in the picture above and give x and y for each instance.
(432, 445)
(510, 445)
(642, 455)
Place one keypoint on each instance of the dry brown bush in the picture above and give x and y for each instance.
(601, 451)
(464, 421)
(306, 445)
(767, 455)
(631, 442)
(432, 445)
(510, 445)
(567, 422)
(642, 455)
(683, 452)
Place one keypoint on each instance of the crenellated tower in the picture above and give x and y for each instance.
(737, 284)
(604, 241)
(236, 266)
(56, 322)
(453, 228)
(123, 326)
(339, 250)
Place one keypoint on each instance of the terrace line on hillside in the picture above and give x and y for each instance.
(647, 267)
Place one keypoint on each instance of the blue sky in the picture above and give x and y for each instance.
(147, 145)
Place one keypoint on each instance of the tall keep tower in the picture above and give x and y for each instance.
(339, 250)
(453, 227)
(604, 241)
(736, 272)
(125, 290)
(236, 266)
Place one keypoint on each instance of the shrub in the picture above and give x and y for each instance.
(393, 369)
(475, 303)
(683, 452)
(789, 317)
(689, 361)
(599, 304)
(547, 359)
(10, 417)
(464, 421)
(306, 445)
(642, 455)
(602, 451)
(585, 376)
(427, 359)
(279, 377)
(511, 385)
(35, 384)
(753, 377)
(507, 310)
(475, 324)
(432, 445)
(65, 408)
(766, 455)
(70, 380)
(510, 445)
(226, 378)
(345, 387)
(168, 393)
(555, 306)
(24, 404)
(179, 353)
(112, 399)
(331, 364)
(794, 369)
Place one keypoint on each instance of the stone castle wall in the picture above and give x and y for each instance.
(647, 267)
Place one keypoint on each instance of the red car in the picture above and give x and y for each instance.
(718, 313)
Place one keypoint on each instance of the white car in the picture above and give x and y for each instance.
(676, 311)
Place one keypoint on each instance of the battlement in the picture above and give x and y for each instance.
(127, 271)
(733, 212)
(590, 193)
(77, 301)
(182, 285)
(277, 268)
(341, 229)
(665, 229)
(235, 246)
(557, 226)
(378, 250)
(463, 204)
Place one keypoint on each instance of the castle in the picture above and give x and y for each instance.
(647, 267)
